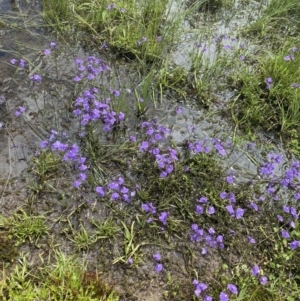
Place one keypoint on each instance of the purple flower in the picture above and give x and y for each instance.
(13, 61)
(220, 149)
(111, 6)
(230, 209)
(280, 218)
(19, 111)
(251, 240)
(163, 217)
(163, 174)
(239, 213)
(36, 78)
(82, 167)
(232, 288)
(43, 144)
(199, 209)
(130, 261)
(285, 234)
(223, 296)
(116, 93)
(255, 270)
(286, 209)
(121, 116)
(229, 179)
(22, 63)
(156, 256)
(223, 195)
(113, 185)
(289, 58)
(47, 52)
(100, 191)
(144, 146)
(201, 286)
(52, 44)
(158, 267)
(295, 244)
(197, 293)
(124, 190)
(82, 176)
(208, 298)
(77, 183)
(293, 212)
(253, 206)
(211, 210)
(263, 280)
(211, 230)
(203, 200)
(115, 196)
(269, 82)
(178, 110)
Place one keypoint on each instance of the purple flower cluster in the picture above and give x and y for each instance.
(158, 266)
(89, 109)
(238, 212)
(155, 132)
(289, 57)
(255, 271)
(47, 51)
(141, 41)
(200, 289)
(205, 205)
(70, 153)
(295, 86)
(19, 111)
(290, 212)
(117, 191)
(22, 63)
(291, 178)
(164, 158)
(89, 68)
(267, 168)
(198, 147)
(150, 208)
(111, 6)
(232, 290)
(208, 237)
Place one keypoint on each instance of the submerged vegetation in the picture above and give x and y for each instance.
(115, 204)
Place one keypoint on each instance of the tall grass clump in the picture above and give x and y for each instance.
(280, 18)
(56, 12)
(269, 93)
(65, 278)
(135, 29)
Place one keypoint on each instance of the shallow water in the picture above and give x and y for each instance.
(56, 89)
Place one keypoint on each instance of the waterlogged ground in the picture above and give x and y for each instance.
(168, 229)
